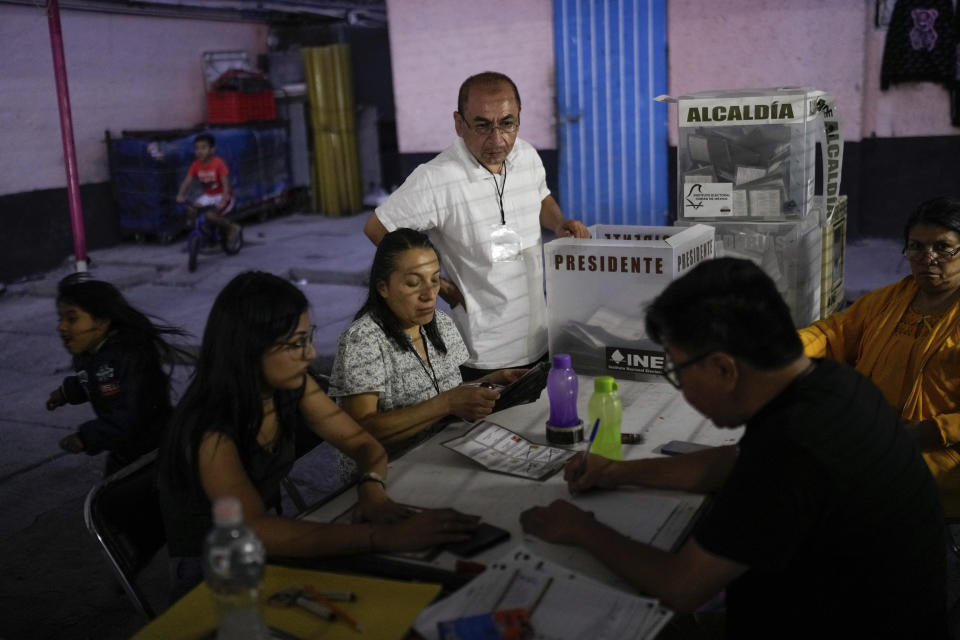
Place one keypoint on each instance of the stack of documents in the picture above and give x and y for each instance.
(562, 604)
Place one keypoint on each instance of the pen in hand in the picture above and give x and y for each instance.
(586, 453)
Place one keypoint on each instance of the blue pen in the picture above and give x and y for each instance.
(586, 454)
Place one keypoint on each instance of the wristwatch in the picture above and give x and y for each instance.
(373, 476)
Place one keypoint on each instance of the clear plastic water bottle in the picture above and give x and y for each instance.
(564, 425)
(605, 404)
(233, 564)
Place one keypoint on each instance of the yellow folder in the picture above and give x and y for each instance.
(385, 608)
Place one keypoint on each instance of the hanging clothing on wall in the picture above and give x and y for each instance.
(921, 43)
(955, 88)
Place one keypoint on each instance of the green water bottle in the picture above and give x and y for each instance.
(605, 404)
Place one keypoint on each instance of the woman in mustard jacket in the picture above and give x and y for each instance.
(905, 337)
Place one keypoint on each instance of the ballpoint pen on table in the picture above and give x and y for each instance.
(337, 596)
(543, 592)
(506, 589)
(586, 454)
(299, 598)
(346, 617)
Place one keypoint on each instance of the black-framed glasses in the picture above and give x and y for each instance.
(942, 252)
(303, 344)
(672, 371)
(486, 128)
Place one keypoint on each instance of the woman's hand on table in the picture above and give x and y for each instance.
(560, 523)
(377, 507)
(595, 475)
(425, 529)
(471, 402)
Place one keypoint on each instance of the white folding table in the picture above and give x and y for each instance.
(433, 476)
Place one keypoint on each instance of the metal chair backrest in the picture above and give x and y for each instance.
(123, 513)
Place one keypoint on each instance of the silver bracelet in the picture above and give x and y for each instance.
(373, 476)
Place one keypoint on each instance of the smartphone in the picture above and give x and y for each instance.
(678, 447)
(484, 537)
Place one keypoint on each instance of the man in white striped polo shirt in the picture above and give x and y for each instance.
(483, 200)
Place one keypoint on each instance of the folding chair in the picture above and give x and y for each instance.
(123, 513)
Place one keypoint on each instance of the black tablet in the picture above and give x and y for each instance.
(526, 388)
(484, 537)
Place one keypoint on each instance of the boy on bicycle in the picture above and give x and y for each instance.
(217, 197)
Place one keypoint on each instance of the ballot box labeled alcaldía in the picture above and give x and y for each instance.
(751, 154)
(597, 289)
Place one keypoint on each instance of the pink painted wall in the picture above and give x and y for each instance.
(125, 72)
(721, 44)
(828, 44)
(436, 44)
(131, 72)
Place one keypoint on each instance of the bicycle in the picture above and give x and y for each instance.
(206, 234)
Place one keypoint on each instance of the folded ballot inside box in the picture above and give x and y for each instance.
(752, 153)
(597, 289)
(789, 252)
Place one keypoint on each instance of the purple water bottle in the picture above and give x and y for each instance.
(564, 426)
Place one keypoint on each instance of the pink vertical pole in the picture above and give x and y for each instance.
(66, 133)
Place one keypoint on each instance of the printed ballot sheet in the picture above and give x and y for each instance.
(562, 604)
(501, 450)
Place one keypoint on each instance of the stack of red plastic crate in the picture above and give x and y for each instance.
(240, 96)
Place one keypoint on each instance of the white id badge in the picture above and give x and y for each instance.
(505, 244)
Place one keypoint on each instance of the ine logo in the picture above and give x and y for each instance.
(635, 360)
(696, 186)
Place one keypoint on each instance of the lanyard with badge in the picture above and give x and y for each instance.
(505, 243)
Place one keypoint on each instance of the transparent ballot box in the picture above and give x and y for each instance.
(788, 252)
(832, 261)
(597, 289)
(748, 154)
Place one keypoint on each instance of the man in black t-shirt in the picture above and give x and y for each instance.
(825, 522)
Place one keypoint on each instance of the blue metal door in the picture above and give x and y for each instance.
(612, 137)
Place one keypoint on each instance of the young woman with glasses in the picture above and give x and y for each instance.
(232, 434)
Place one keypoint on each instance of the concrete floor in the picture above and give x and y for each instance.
(55, 582)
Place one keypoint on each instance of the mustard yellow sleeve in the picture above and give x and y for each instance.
(949, 425)
(839, 336)
(836, 338)
(815, 339)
